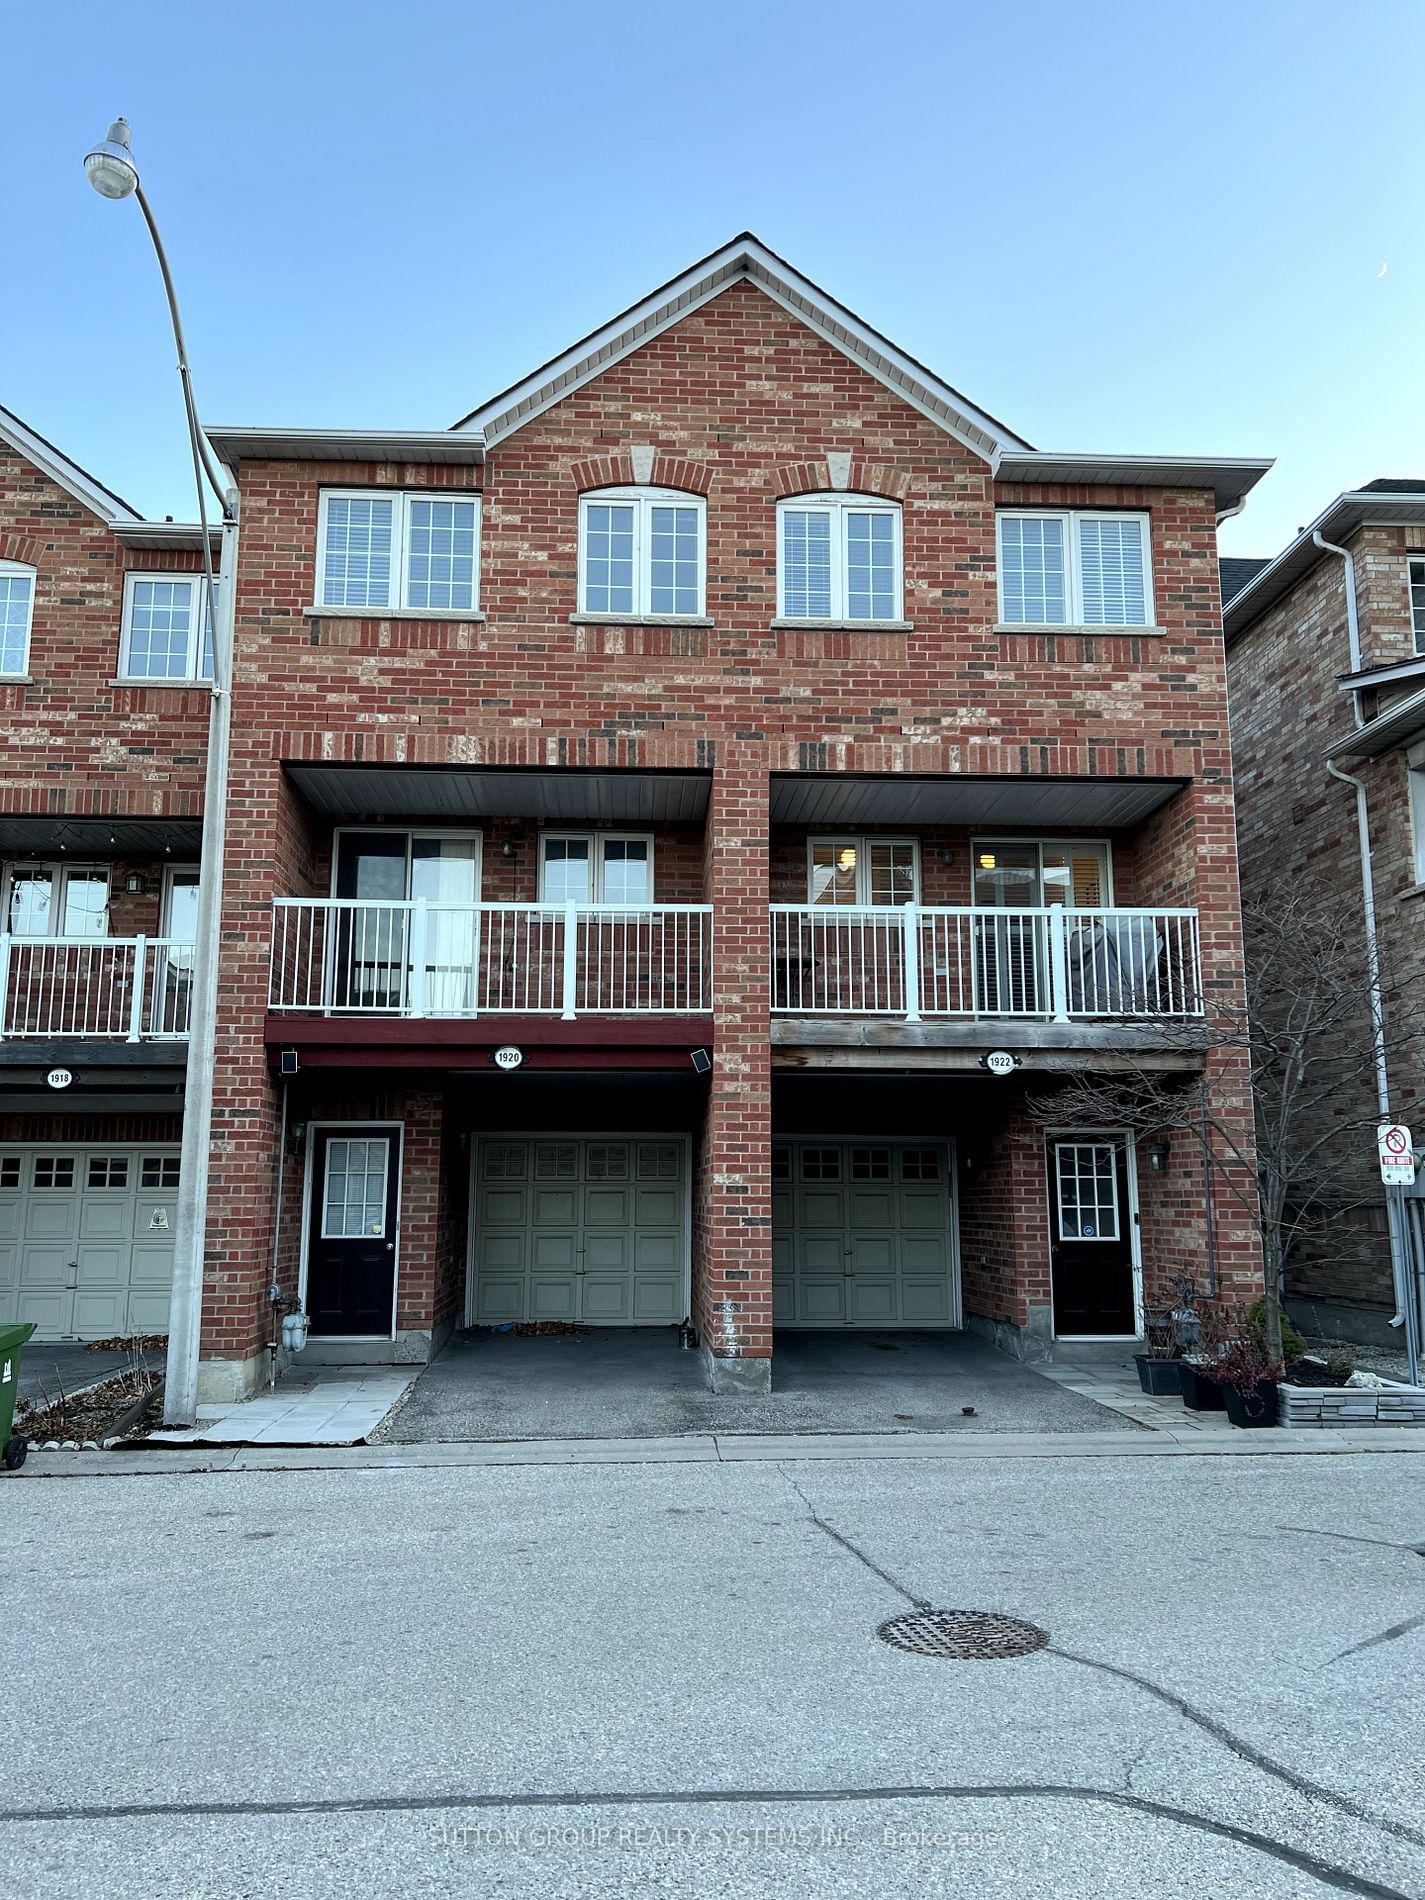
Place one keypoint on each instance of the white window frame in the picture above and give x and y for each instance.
(862, 841)
(1415, 563)
(60, 871)
(1039, 845)
(400, 550)
(596, 840)
(1073, 565)
(840, 507)
(643, 500)
(1415, 776)
(410, 833)
(191, 674)
(24, 571)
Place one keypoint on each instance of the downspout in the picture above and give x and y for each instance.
(1368, 899)
(1209, 1210)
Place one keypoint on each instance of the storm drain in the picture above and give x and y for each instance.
(970, 1635)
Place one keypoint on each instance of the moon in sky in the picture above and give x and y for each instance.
(1382, 271)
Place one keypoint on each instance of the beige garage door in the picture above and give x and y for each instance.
(863, 1234)
(568, 1228)
(86, 1239)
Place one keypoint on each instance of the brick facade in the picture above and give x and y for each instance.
(1297, 824)
(743, 404)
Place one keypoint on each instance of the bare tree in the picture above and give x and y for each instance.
(1305, 1043)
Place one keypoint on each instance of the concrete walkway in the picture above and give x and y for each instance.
(337, 1405)
(629, 1383)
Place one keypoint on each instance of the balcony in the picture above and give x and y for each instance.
(421, 959)
(129, 989)
(915, 963)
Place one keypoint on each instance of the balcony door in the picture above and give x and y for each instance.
(375, 950)
(1026, 876)
(178, 928)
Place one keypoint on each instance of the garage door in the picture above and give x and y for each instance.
(863, 1234)
(86, 1239)
(573, 1229)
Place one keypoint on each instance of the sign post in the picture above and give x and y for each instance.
(1395, 1148)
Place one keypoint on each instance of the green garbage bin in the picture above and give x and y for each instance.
(12, 1446)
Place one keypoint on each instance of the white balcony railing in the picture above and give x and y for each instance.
(359, 957)
(129, 988)
(914, 962)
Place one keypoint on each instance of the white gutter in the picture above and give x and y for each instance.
(1399, 1271)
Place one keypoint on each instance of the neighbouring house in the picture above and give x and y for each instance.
(682, 816)
(1326, 666)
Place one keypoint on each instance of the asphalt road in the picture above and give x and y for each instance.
(666, 1679)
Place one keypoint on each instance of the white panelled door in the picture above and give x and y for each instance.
(86, 1239)
(574, 1228)
(863, 1234)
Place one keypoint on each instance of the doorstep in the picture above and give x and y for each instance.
(1116, 1388)
(338, 1405)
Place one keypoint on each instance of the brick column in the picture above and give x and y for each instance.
(732, 1216)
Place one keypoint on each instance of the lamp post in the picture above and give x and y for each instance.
(110, 169)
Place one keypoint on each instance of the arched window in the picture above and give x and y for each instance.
(839, 558)
(642, 553)
(17, 609)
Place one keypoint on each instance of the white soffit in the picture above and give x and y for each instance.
(840, 800)
(559, 795)
(76, 481)
(745, 260)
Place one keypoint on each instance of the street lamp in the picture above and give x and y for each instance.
(110, 169)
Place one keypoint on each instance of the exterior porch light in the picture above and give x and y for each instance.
(1157, 1153)
(111, 170)
(135, 884)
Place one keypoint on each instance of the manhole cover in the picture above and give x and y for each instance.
(973, 1635)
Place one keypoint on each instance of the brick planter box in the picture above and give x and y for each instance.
(1343, 1405)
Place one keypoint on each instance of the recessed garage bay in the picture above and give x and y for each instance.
(863, 1234)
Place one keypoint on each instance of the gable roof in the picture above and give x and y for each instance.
(745, 260)
(1385, 503)
(54, 463)
(1235, 570)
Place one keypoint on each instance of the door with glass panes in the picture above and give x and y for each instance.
(384, 957)
(1091, 1221)
(1019, 878)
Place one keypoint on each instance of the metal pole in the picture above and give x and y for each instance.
(191, 1220)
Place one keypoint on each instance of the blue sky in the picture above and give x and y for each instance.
(1116, 227)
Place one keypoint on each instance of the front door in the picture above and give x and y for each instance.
(1091, 1237)
(351, 1256)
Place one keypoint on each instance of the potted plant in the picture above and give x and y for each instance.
(1248, 1372)
(1199, 1371)
(1158, 1367)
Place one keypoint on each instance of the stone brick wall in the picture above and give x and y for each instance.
(1297, 824)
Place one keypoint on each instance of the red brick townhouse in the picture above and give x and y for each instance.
(654, 800)
(1326, 660)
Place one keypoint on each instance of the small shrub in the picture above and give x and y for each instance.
(1293, 1345)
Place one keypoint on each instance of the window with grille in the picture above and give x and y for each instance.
(642, 552)
(1417, 603)
(167, 629)
(504, 1160)
(108, 1171)
(920, 1164)
(158, 1171)
(378, 551)
(821, 1164)
(556, 1161)
(54, 1171)
(1088, 1190)
(354, 1195)
(870, 1164)
(862, 871)
(17, 608)
(608, 1161)
(839, 558)
(1068, 569)
(657, 1161)
(10, 1171)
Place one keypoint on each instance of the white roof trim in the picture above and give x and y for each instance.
(52, 462)
(744, 261)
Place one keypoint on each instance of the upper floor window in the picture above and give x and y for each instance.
(57, 900)
(1417, 603)
(167, 629)
(595, 867)
(838, 558)
(1066, 569)
(862, 871)
(379, 552)
(17, 607)
(1415, 767)
(1034, 873)
(642, 551)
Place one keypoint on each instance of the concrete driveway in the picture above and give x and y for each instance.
(67, 1363)
(635, 1383)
